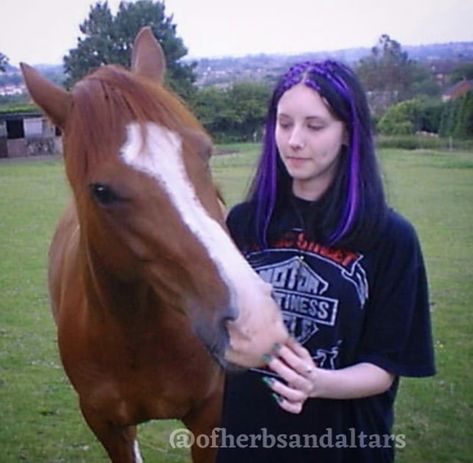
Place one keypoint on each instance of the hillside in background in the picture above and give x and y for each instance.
(440, 58)
(221, 71)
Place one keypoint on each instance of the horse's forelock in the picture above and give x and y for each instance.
(104, 103)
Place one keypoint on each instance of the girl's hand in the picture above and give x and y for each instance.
(295, 366)
(302, 379)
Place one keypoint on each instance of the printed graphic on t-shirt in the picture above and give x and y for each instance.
(299, 291)
(326, 358)
(311, 284)
(349, 263)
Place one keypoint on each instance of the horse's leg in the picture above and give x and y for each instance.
(119, 441)
(201, 421)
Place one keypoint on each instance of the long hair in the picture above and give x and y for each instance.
(354, 205)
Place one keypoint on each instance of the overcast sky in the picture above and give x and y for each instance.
(42, 31)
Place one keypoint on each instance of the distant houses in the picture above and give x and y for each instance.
(457, 90)
(12, 90)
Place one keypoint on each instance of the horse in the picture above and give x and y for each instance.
(151, 298)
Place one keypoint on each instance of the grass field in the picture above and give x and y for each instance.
(39, 419)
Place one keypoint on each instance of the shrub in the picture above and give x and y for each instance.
(457, 118)
(403, 118)
(414, 142)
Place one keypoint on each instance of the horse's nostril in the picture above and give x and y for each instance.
(223, 328)
(228, 318)
(230, 314)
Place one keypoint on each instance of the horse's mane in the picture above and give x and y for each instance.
(107, 100)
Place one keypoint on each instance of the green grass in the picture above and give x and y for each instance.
(435, 191)
(40, 421)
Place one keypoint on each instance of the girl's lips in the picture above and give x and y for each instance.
(296, 160)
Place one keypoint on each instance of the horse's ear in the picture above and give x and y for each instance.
(53, 100)
(147, 57)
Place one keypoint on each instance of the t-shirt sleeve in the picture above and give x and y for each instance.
(397, 331)
(238, 225)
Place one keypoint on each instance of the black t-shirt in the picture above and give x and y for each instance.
(344, 307)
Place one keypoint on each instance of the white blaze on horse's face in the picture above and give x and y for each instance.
(259, 324)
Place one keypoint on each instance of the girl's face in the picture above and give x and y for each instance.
(309, 140)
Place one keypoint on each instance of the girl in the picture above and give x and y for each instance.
(349, 277)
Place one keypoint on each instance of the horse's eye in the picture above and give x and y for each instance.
(103, 194)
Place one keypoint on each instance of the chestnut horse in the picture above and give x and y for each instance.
(149, 294)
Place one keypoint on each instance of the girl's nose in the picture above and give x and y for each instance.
(296, 140)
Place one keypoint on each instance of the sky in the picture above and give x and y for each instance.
(42, 31)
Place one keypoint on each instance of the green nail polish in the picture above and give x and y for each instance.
(277, 397)
(267, 358)
(267, 380)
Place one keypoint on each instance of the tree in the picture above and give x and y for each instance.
(448, 118)
(461, 72)
(213, 111)
(236, 113)
(431, 116)
(457, 117)
(387, 74)
(3, 62)
(108, 39)
(403, 118)
(249, 101)
(423, 82)
(385, 68)
(464, 120)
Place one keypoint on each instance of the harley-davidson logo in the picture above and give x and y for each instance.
(299, 292)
